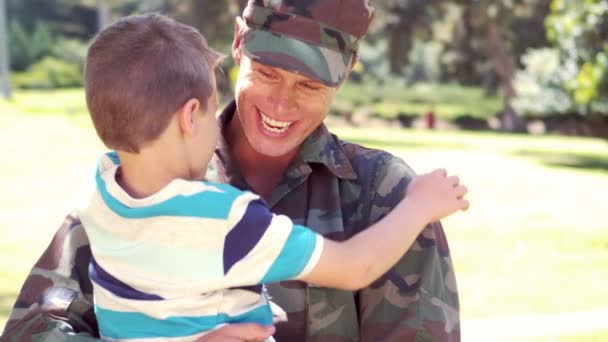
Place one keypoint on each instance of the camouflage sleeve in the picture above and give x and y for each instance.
(55, 301)
(417, 300)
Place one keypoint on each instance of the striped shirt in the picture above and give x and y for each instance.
(187, 259)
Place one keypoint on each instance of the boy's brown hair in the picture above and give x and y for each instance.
(139, 72)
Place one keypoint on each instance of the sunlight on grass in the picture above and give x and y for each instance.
(536, 237)
(534, 241)
(60, 102)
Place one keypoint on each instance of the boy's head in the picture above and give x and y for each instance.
(139, 72)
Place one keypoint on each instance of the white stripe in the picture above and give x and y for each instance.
(314, 258)
(182, 249)
(186, 232)
(162, 285)
(237, 302)
(195, 306)
(239, 208)
(230, 302)
(252, 268)
(190, 338)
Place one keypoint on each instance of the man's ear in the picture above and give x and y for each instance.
(239, 26)
(353, 62)
(350, 69)
(187, 123)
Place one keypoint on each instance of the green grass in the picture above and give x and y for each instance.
(69, 102)
(534, 241)
(447, 100)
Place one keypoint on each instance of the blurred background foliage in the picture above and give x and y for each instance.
(512, 60)
(535, 240)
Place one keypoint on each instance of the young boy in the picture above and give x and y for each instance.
(175, 256)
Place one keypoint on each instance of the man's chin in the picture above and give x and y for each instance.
(270, 149)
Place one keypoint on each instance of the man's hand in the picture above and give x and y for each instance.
(239, 333)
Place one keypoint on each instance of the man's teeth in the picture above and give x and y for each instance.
(273, 125)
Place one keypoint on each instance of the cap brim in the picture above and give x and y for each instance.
(316, 62)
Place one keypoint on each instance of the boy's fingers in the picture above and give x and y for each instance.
(454, 180)
(239, 332)
(464, 204)
(441, 172)
(461, 190)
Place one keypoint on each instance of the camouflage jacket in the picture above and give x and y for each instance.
(334, 187)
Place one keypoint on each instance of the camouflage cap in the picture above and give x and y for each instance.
(314, 38)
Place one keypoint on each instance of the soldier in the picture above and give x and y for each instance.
(293, 57)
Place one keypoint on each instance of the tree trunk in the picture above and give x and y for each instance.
(5, 85)
(103, 14)
(465, 67)
(505, 68)
(400, 44)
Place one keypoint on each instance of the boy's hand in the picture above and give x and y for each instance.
(241, 332)
(436, 195)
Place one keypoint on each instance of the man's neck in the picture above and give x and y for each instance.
(263, 173)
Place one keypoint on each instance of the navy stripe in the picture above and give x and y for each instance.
(117, 287)
(257, 289)
(246, 234)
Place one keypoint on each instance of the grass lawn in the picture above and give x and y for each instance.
(536, 237)
(447, 100)
(534, 241)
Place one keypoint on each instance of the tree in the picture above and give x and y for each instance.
(103, 14)
(579, 29)
(492, 23)
(4, 54)
(401, 22)
(68, 18)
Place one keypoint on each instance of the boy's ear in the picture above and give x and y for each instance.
(186, 113)
(239, 26)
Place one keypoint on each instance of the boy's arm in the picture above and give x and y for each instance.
(261, 247)
(55, 300)
(418, 298)
(355, 263)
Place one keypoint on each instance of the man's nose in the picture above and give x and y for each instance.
(283, 98)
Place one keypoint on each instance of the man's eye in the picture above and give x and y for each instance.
(266, 74)
(311, 86)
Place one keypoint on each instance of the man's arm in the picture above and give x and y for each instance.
(55, 302)
(418, 298)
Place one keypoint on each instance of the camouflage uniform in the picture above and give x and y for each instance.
(334, 187)
(315, 38)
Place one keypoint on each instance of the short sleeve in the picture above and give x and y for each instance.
(261, 247)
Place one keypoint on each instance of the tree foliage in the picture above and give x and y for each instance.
(499, 45)
(579, 30)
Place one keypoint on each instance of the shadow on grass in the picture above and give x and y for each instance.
(582, 161)
(390, 144)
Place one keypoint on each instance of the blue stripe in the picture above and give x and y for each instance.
(113, 156)
(207, 204)
(125, 325)
(294, 256)
(117, 287)
(246, 233)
